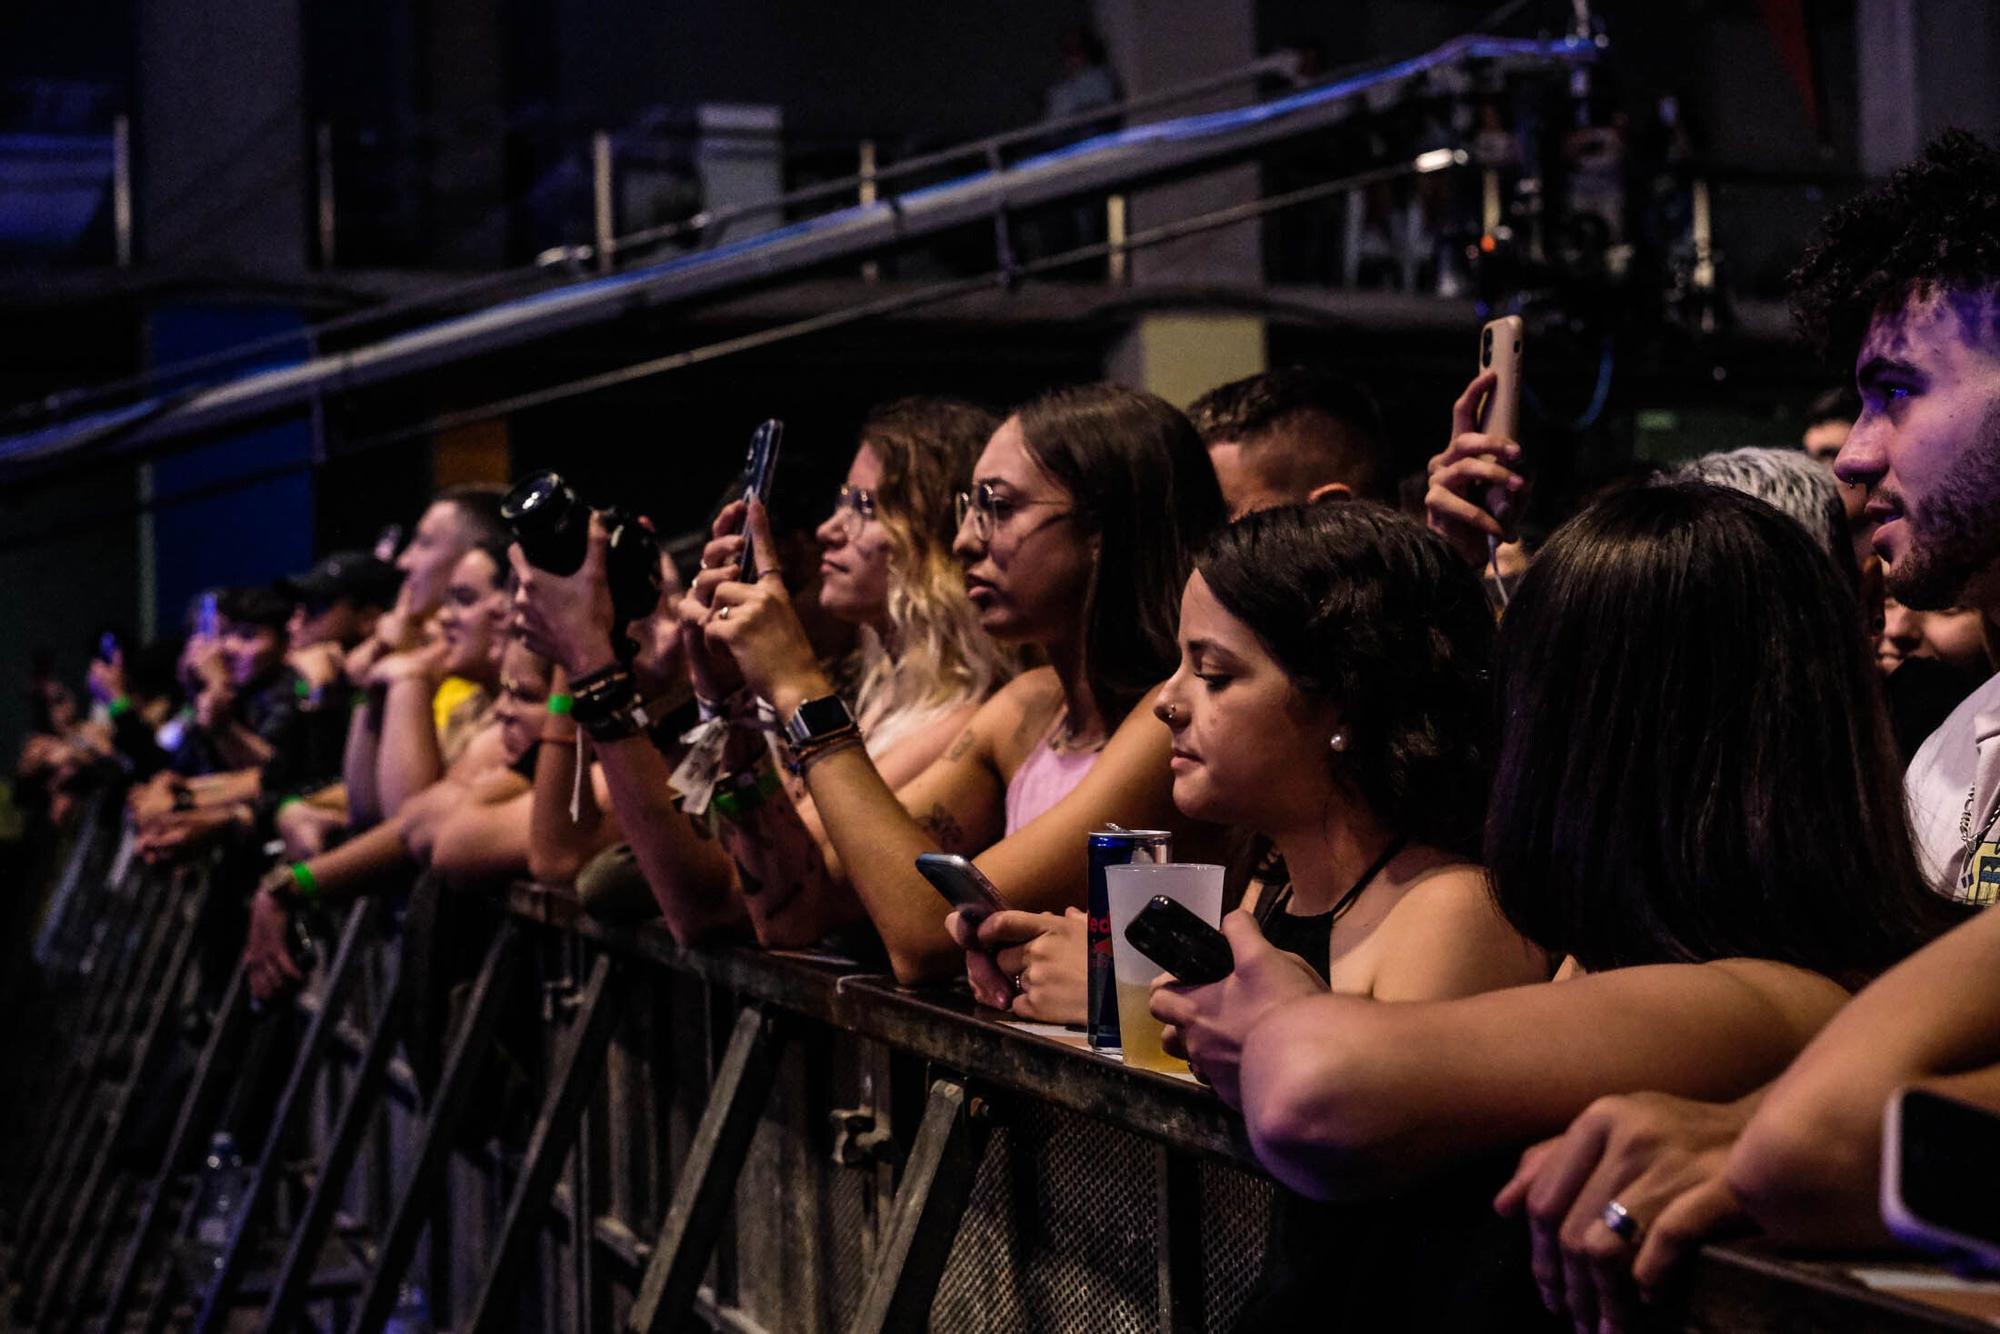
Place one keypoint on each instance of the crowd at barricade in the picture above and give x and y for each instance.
(1588, 884)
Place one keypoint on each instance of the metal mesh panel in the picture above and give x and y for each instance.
(1235, 1221)
(1060, 1233)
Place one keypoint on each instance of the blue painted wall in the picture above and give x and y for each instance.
(245, 534)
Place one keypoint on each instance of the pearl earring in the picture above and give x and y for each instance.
(1338, 741)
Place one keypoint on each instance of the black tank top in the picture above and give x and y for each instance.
(1433, 1257)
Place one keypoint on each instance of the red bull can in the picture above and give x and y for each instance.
(1113, 847)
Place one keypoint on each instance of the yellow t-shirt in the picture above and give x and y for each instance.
(451, 692)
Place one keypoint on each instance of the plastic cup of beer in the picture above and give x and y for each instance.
(1130, 888)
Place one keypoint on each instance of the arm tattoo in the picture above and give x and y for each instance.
(960, 747)
(943, 826)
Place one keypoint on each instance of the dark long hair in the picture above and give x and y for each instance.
(1363, 606)
(1694, 759)
(1141, 482)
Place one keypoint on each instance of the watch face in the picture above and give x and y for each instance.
(817, 717)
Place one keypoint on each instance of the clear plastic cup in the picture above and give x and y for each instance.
(1196, 886)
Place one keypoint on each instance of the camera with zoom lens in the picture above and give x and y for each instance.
(552, 524)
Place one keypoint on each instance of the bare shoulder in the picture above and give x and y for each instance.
(1018, 714)
(486, 750)
(1446, 936)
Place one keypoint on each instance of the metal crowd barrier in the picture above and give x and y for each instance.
(622, 1134)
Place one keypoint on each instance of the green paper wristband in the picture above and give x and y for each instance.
(308, 883)
(119, 707)
(290, 801)
(560, 704)
(739, 802)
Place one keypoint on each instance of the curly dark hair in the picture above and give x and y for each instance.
(1694, 760)
(1934, 226)
(1365, 606)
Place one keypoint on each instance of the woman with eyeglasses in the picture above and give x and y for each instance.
(1077, 534)
(922, 667)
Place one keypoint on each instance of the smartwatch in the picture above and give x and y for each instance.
(818, 720)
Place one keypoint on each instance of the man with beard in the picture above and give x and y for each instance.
(1904, 286)
(1908, 279)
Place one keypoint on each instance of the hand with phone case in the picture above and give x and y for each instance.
(1941, 1178)
(1207, 1025)
(1475, 487)
(1172, 936)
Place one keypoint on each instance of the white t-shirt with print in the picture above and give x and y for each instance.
(1952, 789)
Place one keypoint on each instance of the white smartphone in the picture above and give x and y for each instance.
(963, 885)
(1941, 1177)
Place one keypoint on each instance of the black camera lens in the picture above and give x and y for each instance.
(549, 521)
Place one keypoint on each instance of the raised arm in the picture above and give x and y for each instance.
(568, 619)
(359, 760)
(1808, 1166)
(793, 883)
(409, 758)
(1346, 1097)
(559, 843)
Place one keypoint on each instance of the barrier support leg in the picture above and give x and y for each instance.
(556, 1128)
(341, 979)
(704, 1190)
(923, 1221)
(462, 1065)
(288, 1289)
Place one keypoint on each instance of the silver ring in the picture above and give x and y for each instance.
(1623, 1226)
(723, 615)
(1017, 980)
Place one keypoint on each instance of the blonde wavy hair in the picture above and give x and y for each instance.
(927, 447)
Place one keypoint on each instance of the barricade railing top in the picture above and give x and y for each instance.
(1742, 1284)
(938, 1025)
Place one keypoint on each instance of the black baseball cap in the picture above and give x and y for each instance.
(354, 575)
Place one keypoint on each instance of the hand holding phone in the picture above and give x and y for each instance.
(1172, 936)
(1500, 348)
(760, 468)
(963, 885)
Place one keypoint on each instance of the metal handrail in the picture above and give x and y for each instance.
(576, 257)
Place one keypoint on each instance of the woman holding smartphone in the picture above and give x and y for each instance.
(923, 667)
(1078, 532)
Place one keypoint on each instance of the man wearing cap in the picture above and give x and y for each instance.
(339, 600)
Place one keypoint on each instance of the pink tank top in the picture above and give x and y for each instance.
(1044, 778)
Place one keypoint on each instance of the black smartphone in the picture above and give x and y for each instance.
(1941, 1176)
(759, 468)
(1171, 936)
(963, 885)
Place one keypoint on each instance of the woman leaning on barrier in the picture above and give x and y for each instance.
(1696, 805)
(923, 666)
(1078, 529)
